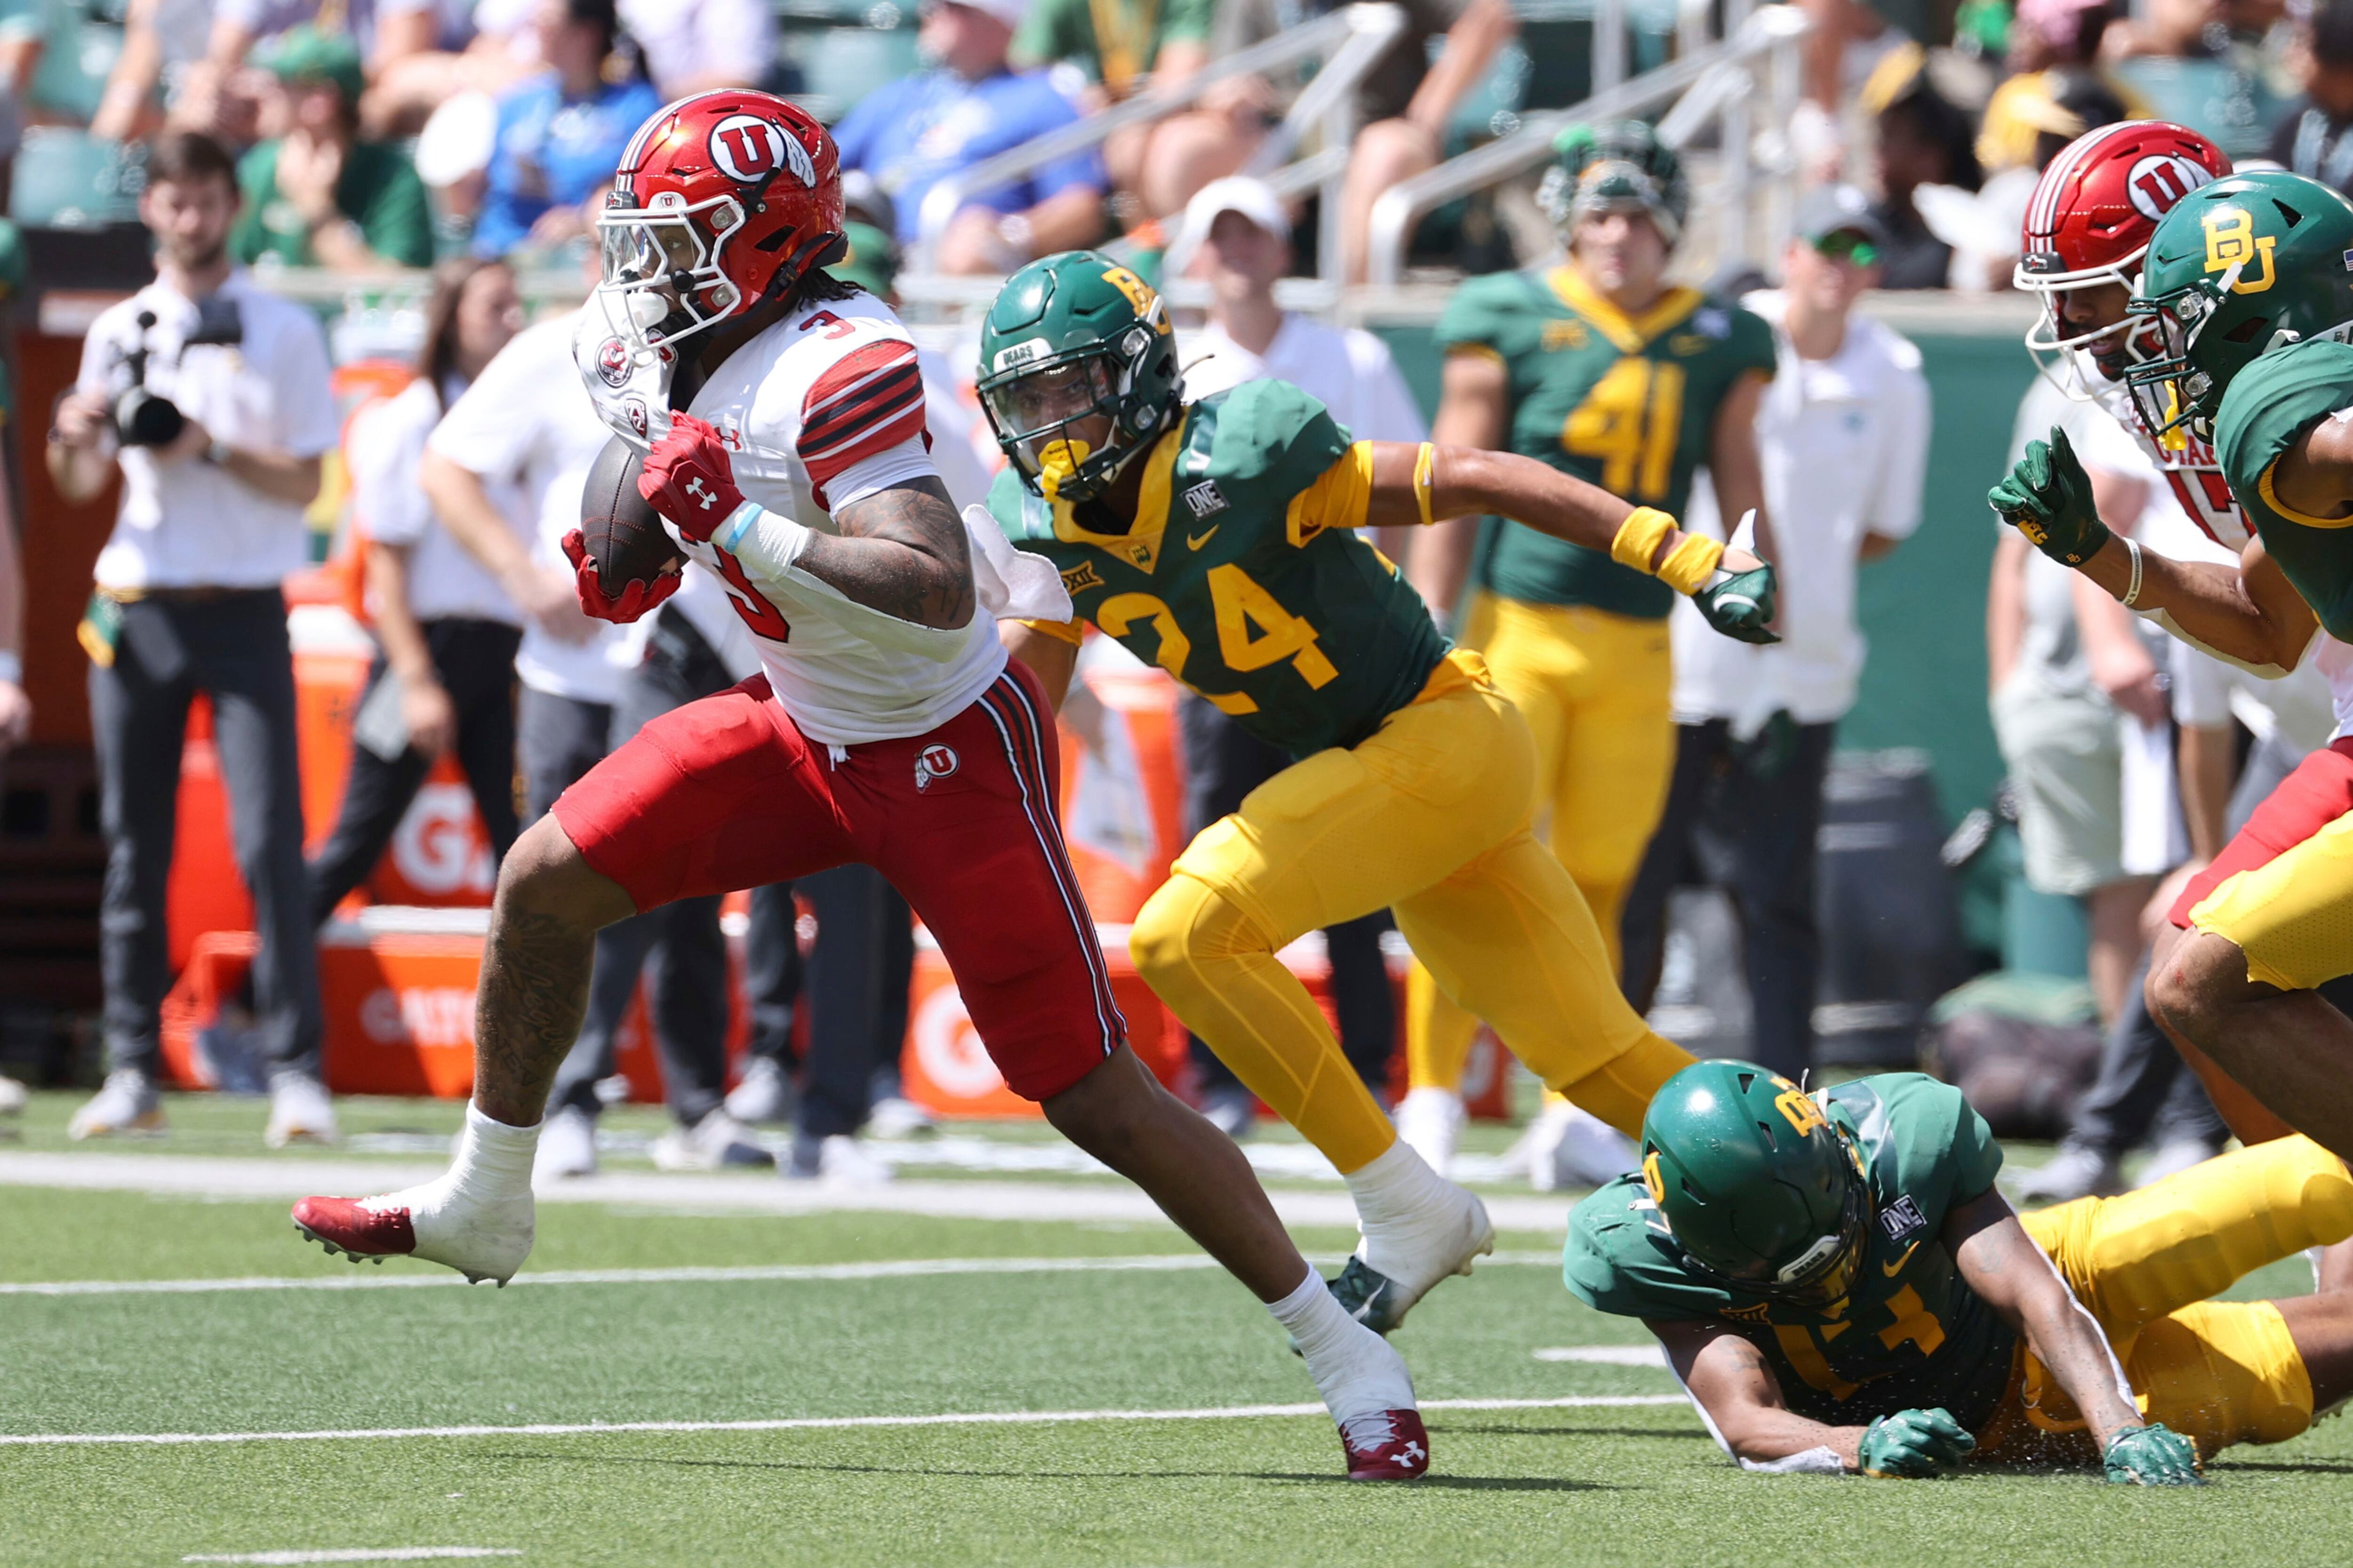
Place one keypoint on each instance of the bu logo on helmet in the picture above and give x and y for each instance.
(747, 147)
(2161, 179)
(934, 762)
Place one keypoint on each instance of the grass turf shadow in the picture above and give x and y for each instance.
(1443, 1482)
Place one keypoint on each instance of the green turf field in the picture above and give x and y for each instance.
(1102, 1324)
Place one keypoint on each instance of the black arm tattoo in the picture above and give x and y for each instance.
(902, 550)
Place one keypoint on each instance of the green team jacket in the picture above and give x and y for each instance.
(1628, 403)
(1240, 575)
(1912, 1335)
(2269, 406)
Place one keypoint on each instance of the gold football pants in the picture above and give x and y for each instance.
(2145, 1265)
(2292, 916)
(1593, 688)
(1429, 817)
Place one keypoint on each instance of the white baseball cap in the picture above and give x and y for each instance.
(1243, 193)
(1012, 12)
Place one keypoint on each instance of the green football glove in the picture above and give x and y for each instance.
(1913, 1444)
(1739, 604)
(2048, 498)
(2152, 1455)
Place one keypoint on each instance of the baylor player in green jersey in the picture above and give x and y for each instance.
(1841, 1288)
(1599, 368)
(1217, 540)
(2250, 282)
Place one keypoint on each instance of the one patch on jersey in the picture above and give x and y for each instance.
(1566, 335)
(1902, 1218)
(1077, 580)
(613, 362)
(934, 762)
(1714, 321)
(633, 409)
(1204, 500)
(1682, 345)
(748, 147)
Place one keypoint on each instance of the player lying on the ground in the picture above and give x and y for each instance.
(887, 728)
(1215, 538)
(2247, 281)
(1840, 1287)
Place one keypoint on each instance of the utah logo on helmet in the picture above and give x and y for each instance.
(2088, 224)
(724, 201)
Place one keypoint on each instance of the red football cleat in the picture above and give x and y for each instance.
(347, 1226)
(1386, 1446)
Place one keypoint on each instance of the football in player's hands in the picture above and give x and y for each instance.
(619, 531)
(690, 478)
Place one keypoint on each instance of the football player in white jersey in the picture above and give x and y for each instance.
(2087, 227)
(783, 415)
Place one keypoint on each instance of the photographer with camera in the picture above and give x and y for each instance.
(213, 399)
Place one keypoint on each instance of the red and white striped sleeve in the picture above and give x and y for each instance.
(864, 403)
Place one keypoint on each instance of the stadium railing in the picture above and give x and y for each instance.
(1349, 43)
(1712, 82)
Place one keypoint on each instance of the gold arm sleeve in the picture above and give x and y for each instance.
(1072, 632)
(1341, 497)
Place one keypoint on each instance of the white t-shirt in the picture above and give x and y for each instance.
(190, 524)
(683, 39)
(1863, 416)
(390, 507)
(1348, 371)
(526, 422)
(822, 409)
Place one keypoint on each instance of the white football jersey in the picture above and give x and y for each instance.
(823, 408)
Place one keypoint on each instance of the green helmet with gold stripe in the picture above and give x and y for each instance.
(1764, 1191)
(2240, 267)
(1617, 165)
(1077, 372)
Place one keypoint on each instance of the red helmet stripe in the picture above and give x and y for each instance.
(2042, 212)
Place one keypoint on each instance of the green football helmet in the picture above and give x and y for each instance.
(1073, 337)
(1765, 1192)
(1619, 166)
(2239, 268)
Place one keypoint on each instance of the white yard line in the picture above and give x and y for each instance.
(897, 1269)
(1606, 1355)
(193, 1175)
(804, 1423)
(357, 1555)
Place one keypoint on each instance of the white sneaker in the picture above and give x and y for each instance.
(840, 1161)
(1571, 1147)
(2074, 1172)
(127, 1102)
(2174, 1156)
(765, 1098)
(12, 1096)
(300, 1110)
(715, 1142)
(1430, 1121)
(567, 1147)
(896, 1116)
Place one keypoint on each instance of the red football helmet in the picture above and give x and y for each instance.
(722, 200)
(2089, 223)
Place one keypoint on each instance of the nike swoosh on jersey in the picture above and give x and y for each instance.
(1892, 1269)
(1195, 541)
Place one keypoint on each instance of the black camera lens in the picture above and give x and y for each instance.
(143, 419)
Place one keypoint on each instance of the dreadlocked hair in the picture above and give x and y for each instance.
(819, 286)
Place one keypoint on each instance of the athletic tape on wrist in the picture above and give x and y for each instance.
(2132, 588)
(1691, 563)
(730, 533)
(1425, 466)
(1639, 538)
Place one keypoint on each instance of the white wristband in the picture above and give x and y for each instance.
(2132, 587)
(761, 541)
(12, 669)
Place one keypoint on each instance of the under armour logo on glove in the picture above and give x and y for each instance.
(689, 479)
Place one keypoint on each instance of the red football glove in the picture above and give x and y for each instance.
(636, 599)
(689, 479)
